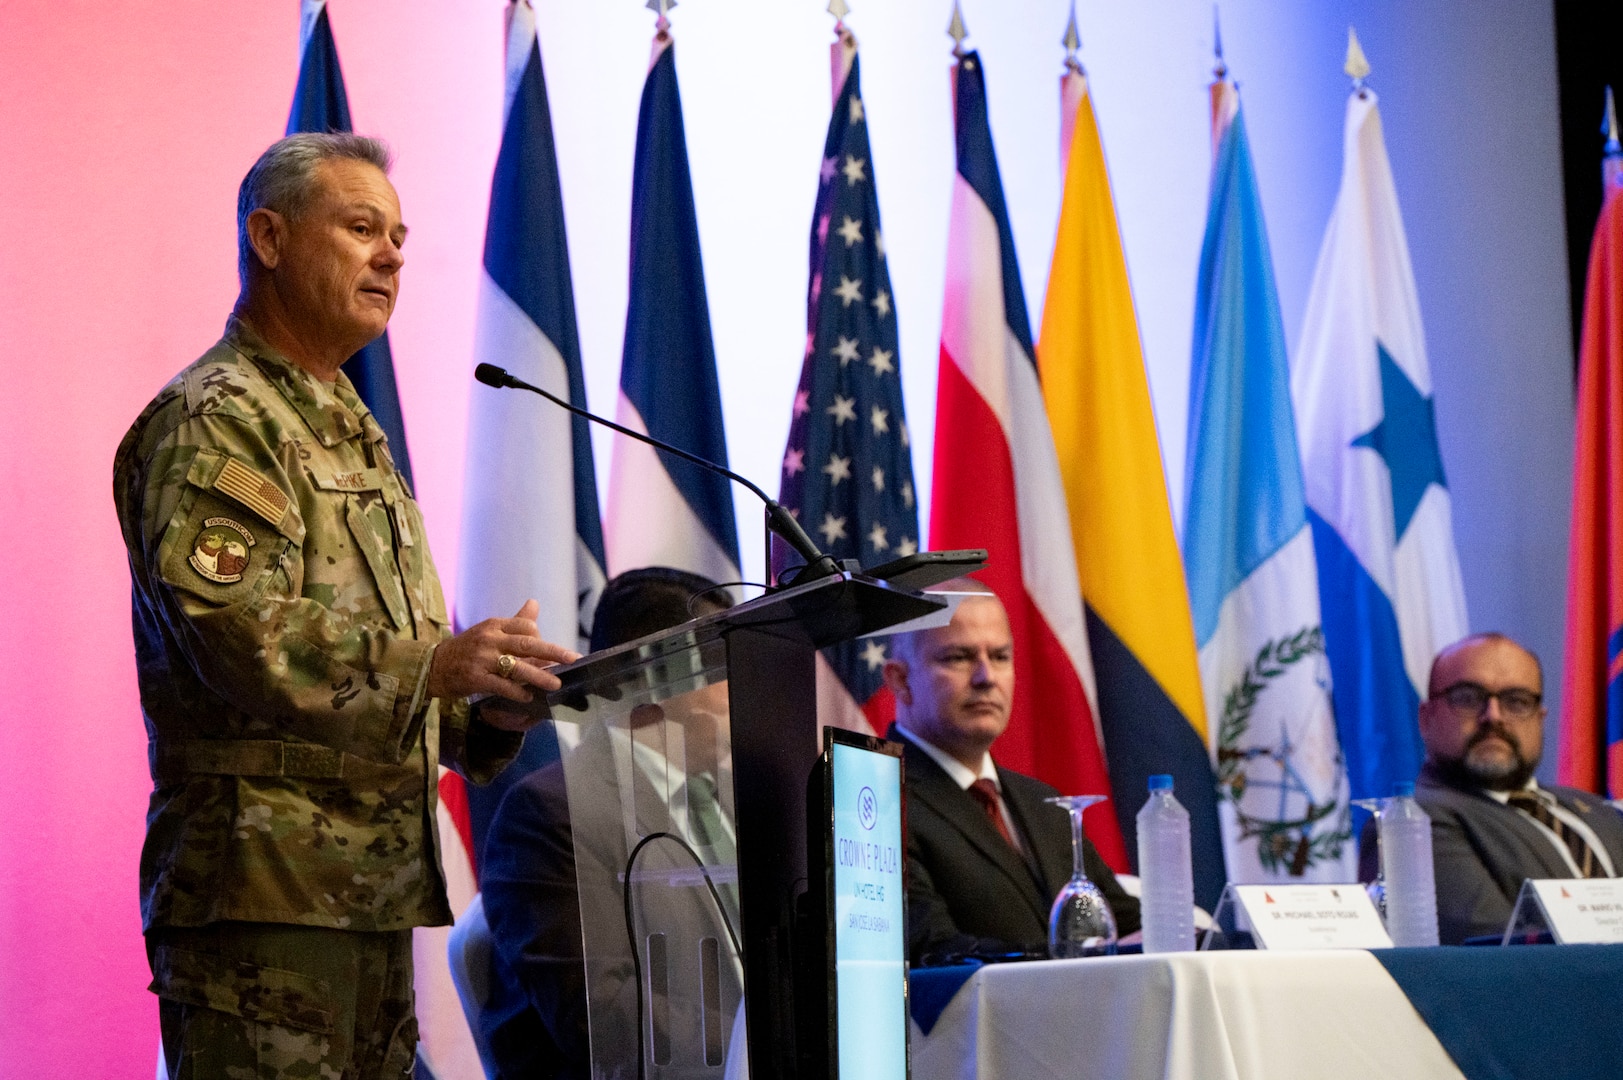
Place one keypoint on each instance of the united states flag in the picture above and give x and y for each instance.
(847, 469)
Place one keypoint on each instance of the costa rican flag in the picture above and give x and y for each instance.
(847, 468)
(997, 482)
(663, 511)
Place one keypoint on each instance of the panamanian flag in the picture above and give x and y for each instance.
(847, 467)
(997, 480)
(1248, 552)
(1378, 503)
(320, 104)
(663, 511)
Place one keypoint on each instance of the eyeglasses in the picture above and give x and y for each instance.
(1471, 699)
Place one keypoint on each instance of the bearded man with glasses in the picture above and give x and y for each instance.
(1492, 825)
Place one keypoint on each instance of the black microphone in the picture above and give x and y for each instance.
(780, 521)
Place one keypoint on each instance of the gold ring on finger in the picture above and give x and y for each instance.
(505, 663)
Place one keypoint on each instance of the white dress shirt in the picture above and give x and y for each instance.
(965, 777)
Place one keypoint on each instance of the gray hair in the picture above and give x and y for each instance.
(905, 647)
(284, 178)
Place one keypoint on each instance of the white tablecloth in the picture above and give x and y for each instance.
(1186, 1016)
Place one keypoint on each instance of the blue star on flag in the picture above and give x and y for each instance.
(1406, 438)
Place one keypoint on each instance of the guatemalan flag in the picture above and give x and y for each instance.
(997, 482)
(1389, 577)
(530, 522)
(1139, 628)
(320, 104)
(1248, 552)
(663, 511)
(1592, 727)
(847, 469)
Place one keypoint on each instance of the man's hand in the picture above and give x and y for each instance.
(470, 662)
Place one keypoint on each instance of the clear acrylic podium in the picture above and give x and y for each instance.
(686, 755)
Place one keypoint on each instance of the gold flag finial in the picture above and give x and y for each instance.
(1357, 65)
(1072, 42)
(1609, 128)
(838, 9)
(1219, 69)
(662, 8)
(956, 31)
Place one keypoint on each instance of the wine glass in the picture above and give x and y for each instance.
(1377, 888)
(1080, 922)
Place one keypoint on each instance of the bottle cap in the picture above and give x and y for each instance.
(1402, 788)
(1161, 782)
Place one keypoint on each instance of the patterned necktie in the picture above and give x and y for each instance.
(984, 792)
(1534, 807)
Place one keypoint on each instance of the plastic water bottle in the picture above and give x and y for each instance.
(1411, 883)
(1168, 899)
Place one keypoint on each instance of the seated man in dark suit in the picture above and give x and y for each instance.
(986, 855)
(536, 1020)
(1492, 825)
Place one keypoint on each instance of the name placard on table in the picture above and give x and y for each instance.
(1286, 917)
(1576, 911)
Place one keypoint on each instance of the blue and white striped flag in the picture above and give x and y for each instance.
(1249, 554)
(530, 514)
(1389, 576)
(663, 511)
(320, 104)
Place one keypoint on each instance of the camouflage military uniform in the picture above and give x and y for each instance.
(285, 613)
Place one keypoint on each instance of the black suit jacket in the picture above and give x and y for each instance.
(967, 889)
(536, 1019)
(1484, 850)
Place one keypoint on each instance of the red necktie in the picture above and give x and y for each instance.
(985, 792)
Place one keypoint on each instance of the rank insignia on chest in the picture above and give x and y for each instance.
(220, 552)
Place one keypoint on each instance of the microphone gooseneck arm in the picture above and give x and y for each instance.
(780, 521)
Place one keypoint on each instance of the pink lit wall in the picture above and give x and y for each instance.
(125, 128)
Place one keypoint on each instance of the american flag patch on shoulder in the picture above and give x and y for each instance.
(252, 489)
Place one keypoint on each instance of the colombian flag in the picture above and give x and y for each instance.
(1140, 632)
(1592, 729)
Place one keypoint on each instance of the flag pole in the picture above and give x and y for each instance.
(1073, 87)
(1224, 94)
(662, 25)
(1611, 165)
(1357, 65)
(956, 31)
(844, 49)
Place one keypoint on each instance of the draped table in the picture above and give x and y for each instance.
(1415, 1014)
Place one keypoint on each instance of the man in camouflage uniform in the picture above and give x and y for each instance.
(298, 675)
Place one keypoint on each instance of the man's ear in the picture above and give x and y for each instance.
(267, 234)
(895, 673)
(1425, 717)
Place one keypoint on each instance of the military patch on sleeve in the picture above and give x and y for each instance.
(251, 489)
(220, 552)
